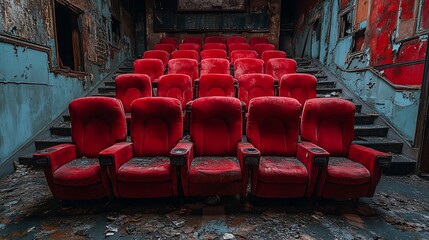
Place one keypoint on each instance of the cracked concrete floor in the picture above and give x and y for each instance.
(399, 210)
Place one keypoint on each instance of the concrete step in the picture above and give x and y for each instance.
(401, 165)
(104, 95)
(51, 141)
(321, 76)
(27, 159)
(326, 84)
(370, 131)
(62, 128)
(107, 89)
(313, 71)
(124, 71)
(329, 90)
(109, 83)
(381, 144)
(365, 118)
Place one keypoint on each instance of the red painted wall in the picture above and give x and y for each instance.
(424, 23)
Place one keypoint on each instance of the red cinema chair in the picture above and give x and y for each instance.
(192, 54)
(170, 40)
(177, 86)
(255, 85)
(190, 46)
(214, 39)
(237, 46)
(154, 68)
(208, 46)
(157, 54)
(184, 66)
(212, 162)
(214, 65)
(353, 171)
(300, 86)
(216, 85)
(168, 47)
(235, 39)
(256, 40)
(131, 86)
(248, 65)
(213, 53)
(142, 169)
(73, 171)
(277, 67)
(197, 40)
(237, 54)
(262, 47)
(268, 54)
(287, 168)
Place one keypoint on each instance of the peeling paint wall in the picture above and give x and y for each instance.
(34, 89)
(387, 70)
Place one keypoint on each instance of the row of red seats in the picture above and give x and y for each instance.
(215, 39)
(214, 160)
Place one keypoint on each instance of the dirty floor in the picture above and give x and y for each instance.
(399, 210)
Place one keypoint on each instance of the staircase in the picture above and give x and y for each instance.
(369, 128)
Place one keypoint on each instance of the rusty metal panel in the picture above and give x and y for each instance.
(361, 12)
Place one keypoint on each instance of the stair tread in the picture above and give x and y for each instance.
(372, 126)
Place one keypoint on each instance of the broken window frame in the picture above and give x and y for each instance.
(354, 35)
(349, 10)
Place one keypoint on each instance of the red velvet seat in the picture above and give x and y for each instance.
(286, 168)
(214, 65)
(300, 86)
(262, 47)
(256, 40)
(237, 54)
(268, 54)
(216, 85)
(192, 54)
(142, 169)
(170, 40)
(212, 163)
(177, 86)
(154, 68)
(235, 39)
(190, 46)
(208, 46)
(255, 85)
(184, 66)
(214, 39)
(213, 53)
(277, 67)
(168, 47)
(157, 54)
(353, 170)
(72, 170)
(237, 46)
(197, 40)
(131, 86)
(248, 65)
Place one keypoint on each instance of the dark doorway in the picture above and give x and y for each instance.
(69, 44)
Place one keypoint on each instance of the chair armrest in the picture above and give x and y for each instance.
(312, 155)
(116, 155)
(54, 157)
(248, 154)
(182, 154)
(369, 157)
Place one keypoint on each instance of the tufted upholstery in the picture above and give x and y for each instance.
(154, 68)
(248, 65)
(131, 86)
(300, 86)
(277, 67)
(216, 85)
(255, 85)
(177, 86)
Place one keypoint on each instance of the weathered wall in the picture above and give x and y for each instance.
(386, 69)
(34, 90)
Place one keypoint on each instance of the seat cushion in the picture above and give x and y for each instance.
(282, 170)
(147, 169)
(344, 171)
(79, 172)
(214, 170)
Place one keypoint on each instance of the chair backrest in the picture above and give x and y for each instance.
(273, 125)
(208, 46)
(255, 85)
(197, 40)
(156, 125)
(157, 54)
(268, 54)
(177, 86)
(237, 54)
(131, 86)
(192, 54)
(300, 86)
(190, 46)
(248, 65)
(235, 39)
(329, 123)
(154, 68)
(216, 126)
(184, 66)
(215, 39)
(262, 47)
(256, 40)
(168, 47)
(277, 67)
(96, 123)
(237, 46)
(213, 53)
(216, 85)
(171, 40)
(214, 65)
